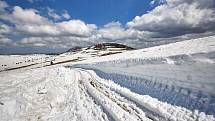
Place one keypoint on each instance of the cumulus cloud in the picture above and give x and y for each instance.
(26, 16)
(36, 41)
(66, 15)
(3, 5)
(177, 17)
(4, 41)
(66, 28)
(157, 2)
(30, 22)
(39, 31)
(52, 14)
(114, 31)
(76, 27)
(54, 42)
(4, 29)
(172, 20)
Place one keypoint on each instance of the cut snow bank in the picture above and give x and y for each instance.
(165, 110)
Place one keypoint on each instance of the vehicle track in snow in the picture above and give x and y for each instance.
(164, 89)
(124, 98)
(116, 107)
(77, 94)
(56, 94)
(108, 92)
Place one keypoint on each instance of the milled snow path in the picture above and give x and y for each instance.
(76, 94)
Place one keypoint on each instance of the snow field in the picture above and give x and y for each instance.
(61, 93)
(165, 110)
(167, 82)
(55, 94)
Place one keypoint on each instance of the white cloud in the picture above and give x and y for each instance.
(4, 29)
(4, 41)
(3, 5)
(177, 17)
(65, 28)
(33, 41)
(76, 27)
(152, 2)
(51, 13)
(26, 16)
(157, 2)
(66, 15)
(173, 21)
(54, 42)
(114, 31)
(30, 22)
(38, 30)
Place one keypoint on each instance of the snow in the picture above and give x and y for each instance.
(107, 102)
(14, 61)
(200, 45)
(61, 93)
(167, 82)
(164, 109)
(54, 95)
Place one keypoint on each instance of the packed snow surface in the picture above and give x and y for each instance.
(75, 94)
(173, 82)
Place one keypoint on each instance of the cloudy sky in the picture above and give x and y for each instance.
(29, 26)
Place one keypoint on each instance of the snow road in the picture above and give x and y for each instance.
(189, 85)
(60, 93)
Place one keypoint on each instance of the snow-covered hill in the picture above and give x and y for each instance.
(199, 46)
(79, 54)
(102, 82)
(180, 73)
(11, 62)
(8, 62)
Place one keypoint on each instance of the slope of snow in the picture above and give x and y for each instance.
(181, 73)
(167, 82)
(90, 55)
(15, 61)
(56, 94)
(194, 46)
(75, 94)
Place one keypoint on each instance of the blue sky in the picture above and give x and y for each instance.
(46, 26)
(99, 12)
